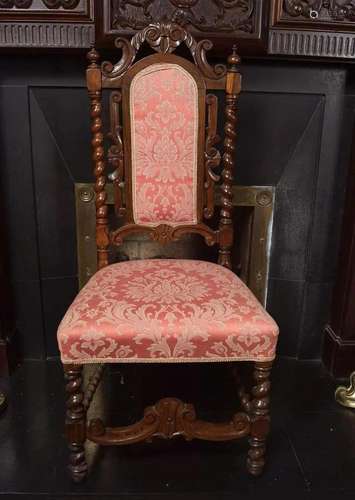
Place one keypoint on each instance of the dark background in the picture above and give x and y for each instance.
(295, 125)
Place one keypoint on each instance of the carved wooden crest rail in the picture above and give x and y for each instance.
(164, 38)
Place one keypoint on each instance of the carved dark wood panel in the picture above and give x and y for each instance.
(221, 20)
(317, 13)
(313, 28)
(47, 23)
(35, 10)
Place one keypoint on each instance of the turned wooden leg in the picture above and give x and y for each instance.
(260, 418)
(75, 422)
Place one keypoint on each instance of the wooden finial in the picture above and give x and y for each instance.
(93, 57)
(233, 59)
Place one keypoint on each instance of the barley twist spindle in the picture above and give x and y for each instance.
(260, 418)
(75, 422)
(94, 87)
(233, 83)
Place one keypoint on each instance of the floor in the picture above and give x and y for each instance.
(311, 449)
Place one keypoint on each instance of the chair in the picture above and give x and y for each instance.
(161, 310)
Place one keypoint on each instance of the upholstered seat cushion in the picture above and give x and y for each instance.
(166, 311)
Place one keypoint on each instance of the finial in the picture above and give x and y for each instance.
(93, 57)
(233, 59)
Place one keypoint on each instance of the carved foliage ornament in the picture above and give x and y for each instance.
(218, 16)
(56, 4)
(164, 38)
(20, 4)
(51, 4)
(167, 419)
(335, 10)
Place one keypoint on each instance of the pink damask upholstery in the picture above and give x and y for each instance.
(166, 311)
(164, 128)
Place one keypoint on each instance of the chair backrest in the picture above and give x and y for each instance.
(164, 162)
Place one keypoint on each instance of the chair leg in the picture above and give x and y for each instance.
(75, 422)
(260, 417)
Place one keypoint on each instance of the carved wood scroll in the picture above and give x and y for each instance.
(168, 419)
(115, 153)
(224, 21)
(212, 155)
(50, 4)
(164, 38)
(221, 16)
(332, 10)
(164, 233)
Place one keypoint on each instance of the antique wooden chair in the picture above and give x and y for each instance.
(165, 311)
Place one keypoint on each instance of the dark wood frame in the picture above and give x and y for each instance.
(66, 14)
(252, 41)
(168, 417)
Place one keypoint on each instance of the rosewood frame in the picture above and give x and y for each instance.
(168, 417)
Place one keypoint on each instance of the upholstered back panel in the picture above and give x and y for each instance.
(164, 141)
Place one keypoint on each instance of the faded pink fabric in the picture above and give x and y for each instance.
(166, 311)
(164, 128)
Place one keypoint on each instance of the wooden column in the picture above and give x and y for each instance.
(260, 417)
(233, 85)
(75, 422)
(93, 76)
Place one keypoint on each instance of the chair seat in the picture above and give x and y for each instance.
(166, 311)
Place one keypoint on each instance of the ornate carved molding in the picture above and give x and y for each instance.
(167, 419)
(115, 152)
(212, 155)
(335, 10)
(29, 11)
(46, 35)
(314, 14)
(164, 38)
(222, 20)
(57, 4)
(18, 4)
(164, 233)
(315, 28)
(50, 4)
(220, 16)
(312, 43)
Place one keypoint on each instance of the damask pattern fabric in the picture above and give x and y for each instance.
(164, 128)
(166, 311)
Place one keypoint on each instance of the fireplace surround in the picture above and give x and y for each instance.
(296, 124)
(295, 129)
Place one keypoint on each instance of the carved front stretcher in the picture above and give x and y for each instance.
(169, 418)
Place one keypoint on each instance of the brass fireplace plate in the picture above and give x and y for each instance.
(258, 201)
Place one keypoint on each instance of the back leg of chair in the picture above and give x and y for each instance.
(75, 421)
(260, 417)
